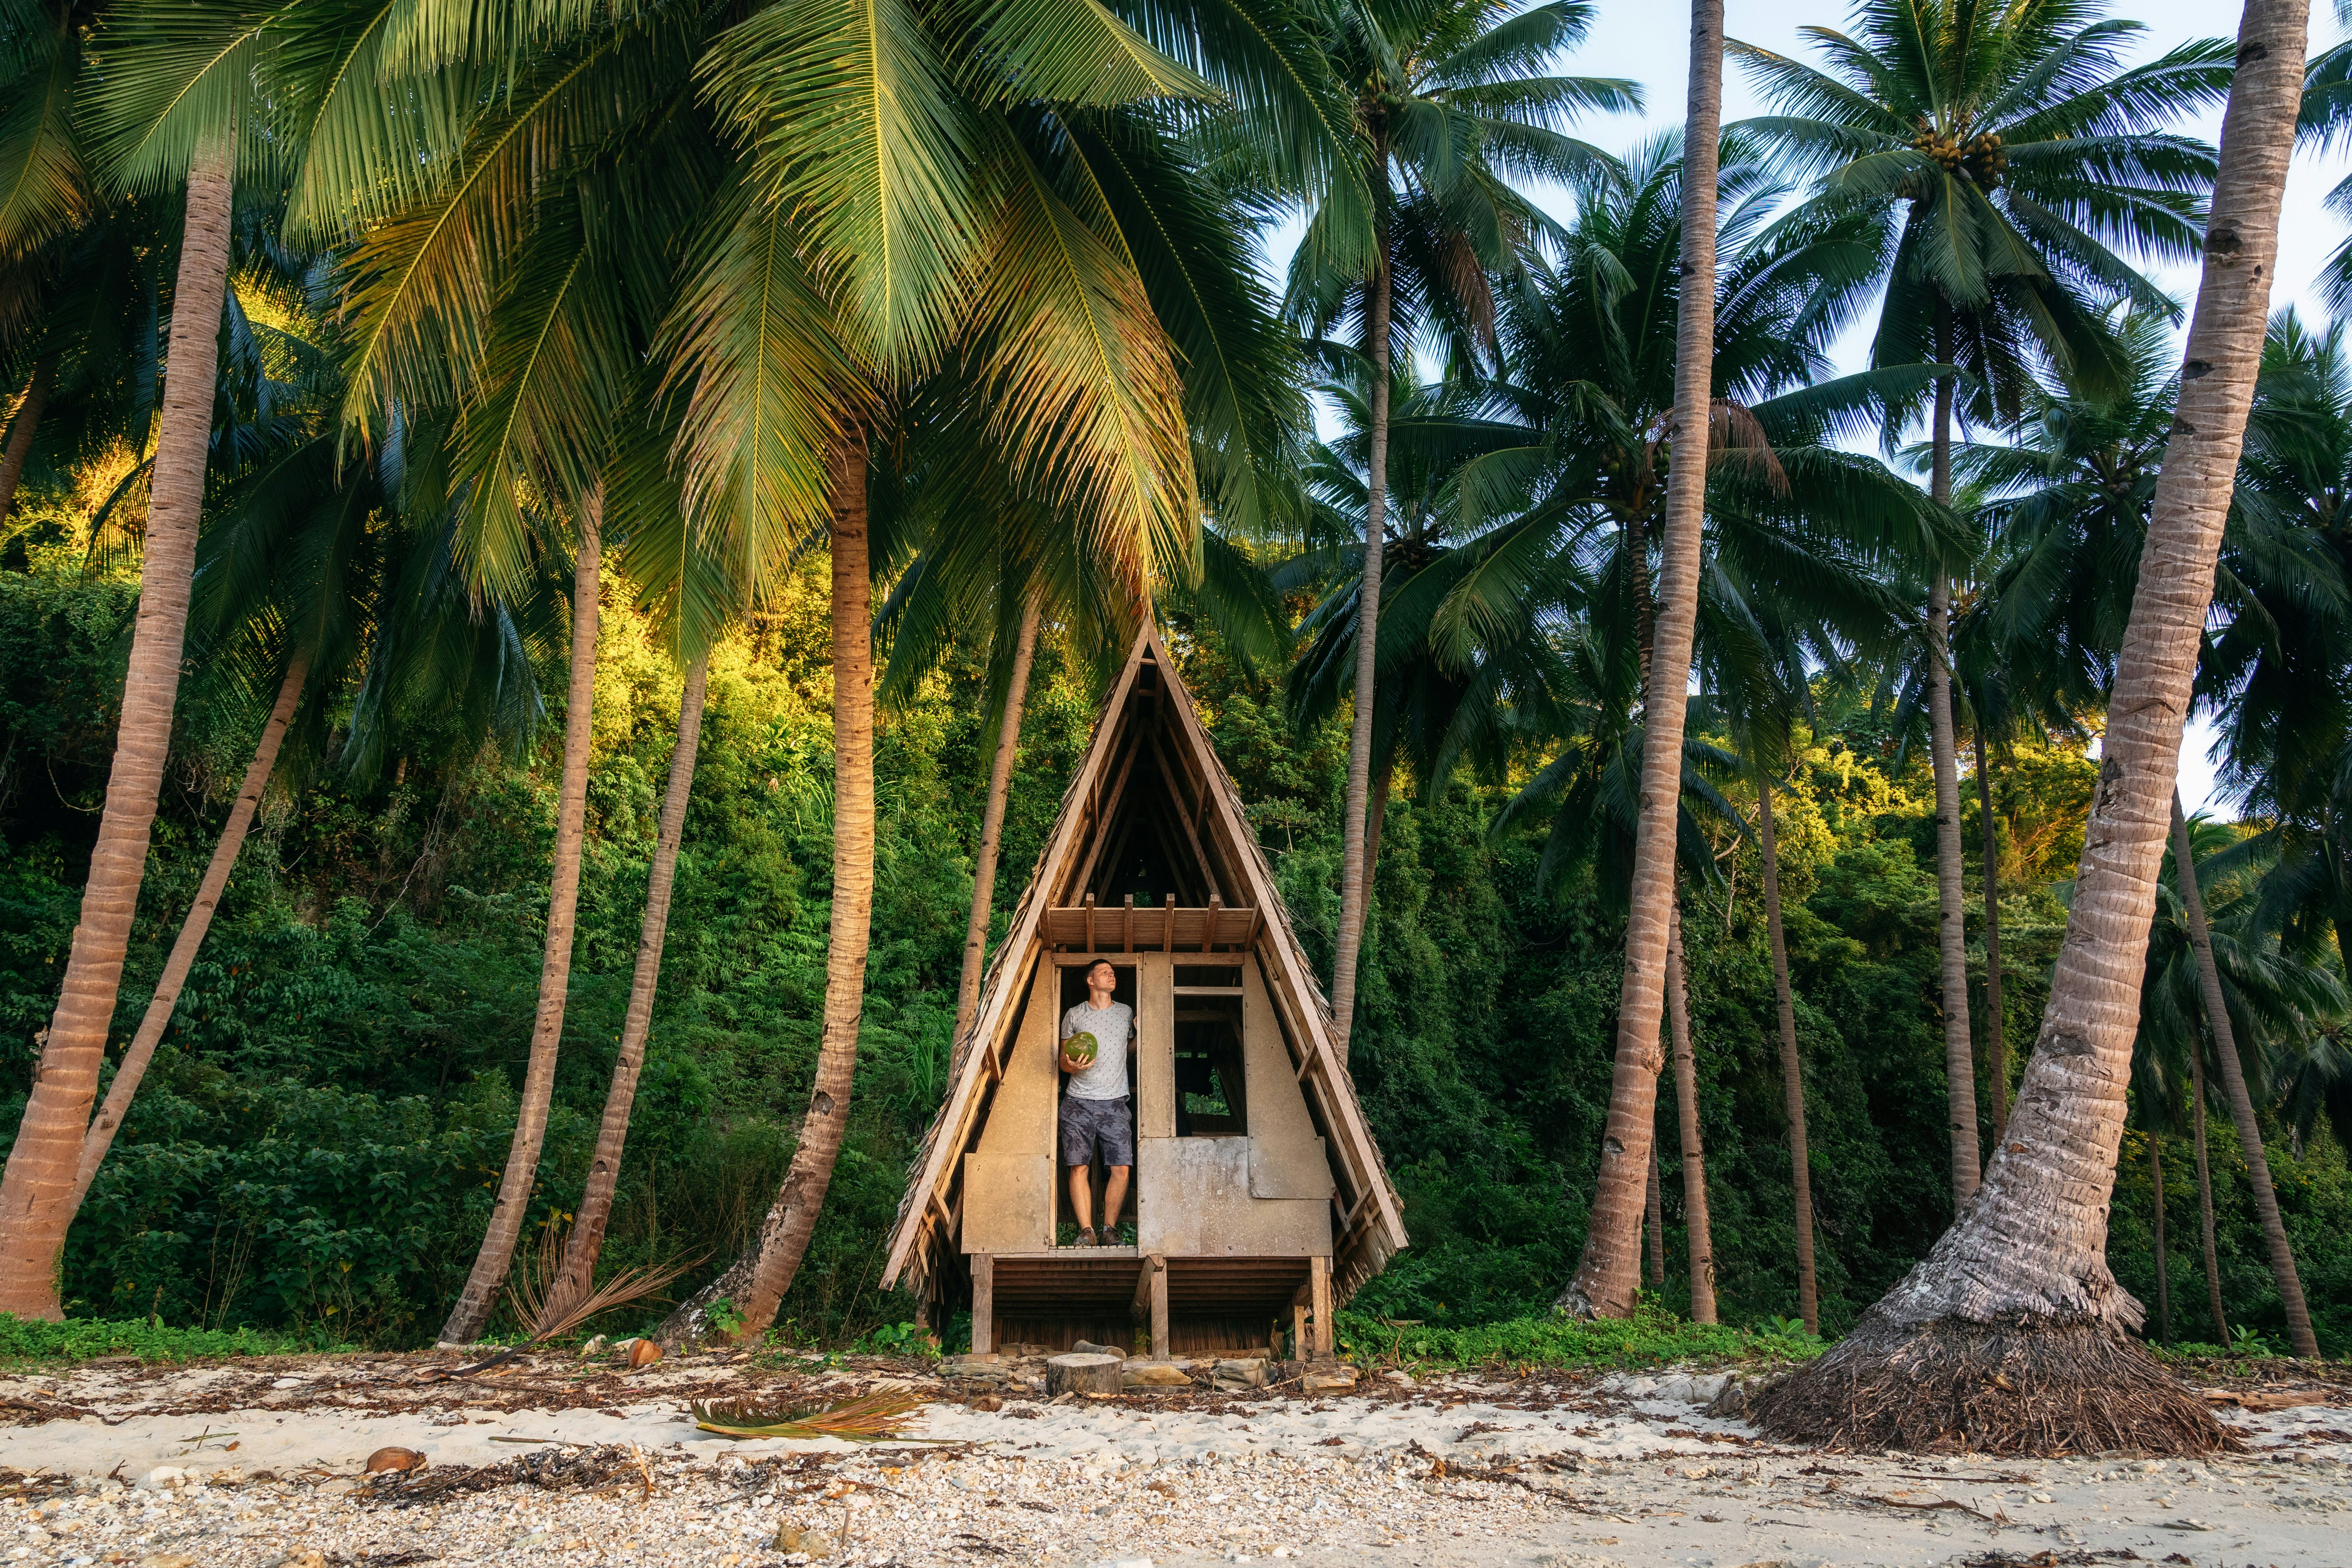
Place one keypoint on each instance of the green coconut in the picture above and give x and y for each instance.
(1081, 1047)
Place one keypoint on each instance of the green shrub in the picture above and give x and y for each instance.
(1652, 1337)
(81, 1338)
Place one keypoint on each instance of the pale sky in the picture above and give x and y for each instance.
(1650, 43)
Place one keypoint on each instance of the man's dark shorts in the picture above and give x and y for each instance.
(1092, 1126)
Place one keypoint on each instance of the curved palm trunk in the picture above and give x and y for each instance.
(1700, 1233)
(1951, 889)
(480, 1297)
(1996, 1049)
(1793, 1069)
(2205, 1199)
(577, 1277)
(1608, 1272)
(2234, 1084)
(174, 978)
(1355, 872)
(22, 428)
(2163, 1261)
(756, 1282)
(2012, 1332)
(37, 1194)
(992, 824)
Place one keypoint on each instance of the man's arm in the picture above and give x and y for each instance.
(1062, 1056)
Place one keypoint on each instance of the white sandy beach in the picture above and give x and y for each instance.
(258, 1464)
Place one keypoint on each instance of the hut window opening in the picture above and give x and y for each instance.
(1211, 1098)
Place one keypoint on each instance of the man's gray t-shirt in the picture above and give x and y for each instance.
(1111, 1027)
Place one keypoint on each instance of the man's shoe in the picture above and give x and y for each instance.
(1087, 1237)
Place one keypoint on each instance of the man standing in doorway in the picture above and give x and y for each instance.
(1096, 1115)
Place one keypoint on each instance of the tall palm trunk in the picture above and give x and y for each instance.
(577, 1277)
(992, 823)
(1700, 1234)
(480, 1297)
(756, 1282)
(174, 978)
(2012, 1331)
(2163, 1261)
(22, 428)
(2205, 1199)
(1951, 890)
(2234, 1084)
(1609, 1270)
(1996, 1049)
(37, 1194)
(1793, 1069)
(1354, 873)
(1653, 1230)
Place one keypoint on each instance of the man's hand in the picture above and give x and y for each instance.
(1069, 1063)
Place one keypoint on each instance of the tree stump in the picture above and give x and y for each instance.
(1082, 1374)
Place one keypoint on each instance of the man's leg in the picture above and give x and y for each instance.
(1082, 1192)
(1115, 1198)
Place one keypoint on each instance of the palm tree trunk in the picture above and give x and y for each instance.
(1996, 1049)
(2163, 1261)
(1700, 1233)
(2234, 1084)
(1609, 1270)
(1793, 1069)
(2205, 1199)
(1951, 887)
(22, 428)
(36, 1192)
(174, 978)
(1354, 873)
(2012, 1331)
(577, 1277)
(1653, 1223)
(479, 1299)
(756, 1282)
(992, 823)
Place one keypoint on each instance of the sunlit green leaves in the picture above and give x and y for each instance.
(768, 389)
(858, 134)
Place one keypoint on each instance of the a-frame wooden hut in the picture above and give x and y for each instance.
(1258, 1195)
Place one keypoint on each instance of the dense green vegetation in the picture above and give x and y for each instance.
(314, 1150)
(85, 1339)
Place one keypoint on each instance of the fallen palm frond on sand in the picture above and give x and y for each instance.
(870, 1418)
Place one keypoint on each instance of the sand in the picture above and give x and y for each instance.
(259, 1463)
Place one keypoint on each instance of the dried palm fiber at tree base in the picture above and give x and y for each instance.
(2019, 1385)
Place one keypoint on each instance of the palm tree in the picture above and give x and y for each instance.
(479, 1300)
(2071, 532)
(952, 224)
(576, 1277)
(2021, 1280)
(2234, 1083)
(37, 1194)
(279, 598)
(2271, 996)
(1792, 1069)
(2007, 155)
(1573, 456)
(1451, 99)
